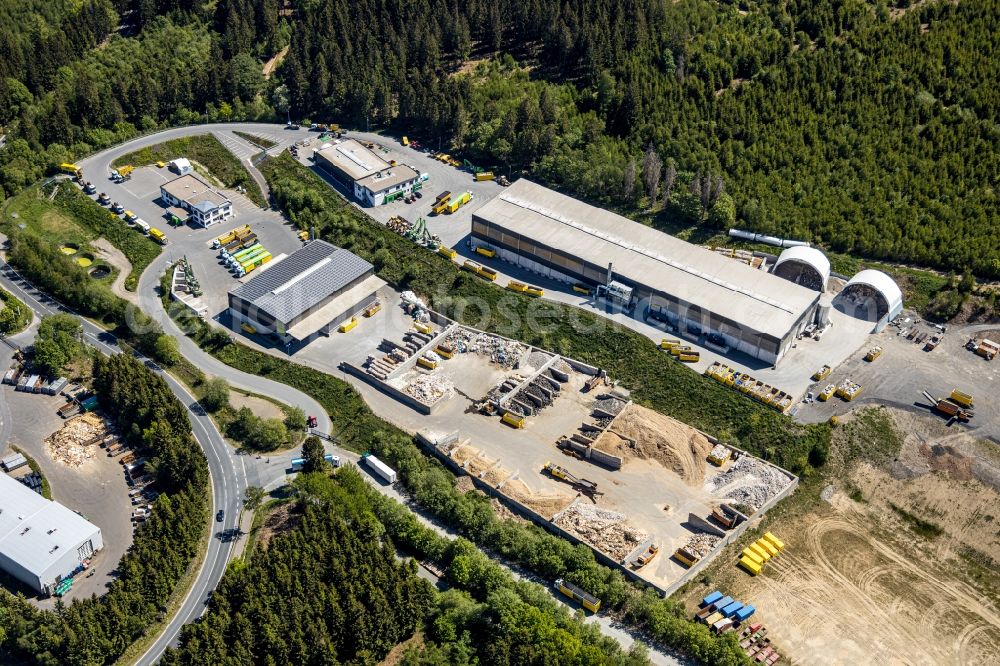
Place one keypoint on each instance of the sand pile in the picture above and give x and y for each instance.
(544, 504)
(642, 433)
(608, 531)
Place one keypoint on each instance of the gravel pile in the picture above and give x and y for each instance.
(537, 359)
(610, 405)
(750, 482)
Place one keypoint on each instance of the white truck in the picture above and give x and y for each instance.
(142, 225)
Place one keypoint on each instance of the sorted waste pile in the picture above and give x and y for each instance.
(638, 432)
(702, 544)
(76, 442)
(428, 389)
(750, 482)
(610, 405)
(505, 353)
(608, 531)
(544, 504)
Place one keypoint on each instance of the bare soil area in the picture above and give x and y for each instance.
(898, 566)
(544, 504)
(282, 519)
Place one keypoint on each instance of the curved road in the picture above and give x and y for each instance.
(229, 469)
(226, 475)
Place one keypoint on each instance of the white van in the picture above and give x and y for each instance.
(141, 225)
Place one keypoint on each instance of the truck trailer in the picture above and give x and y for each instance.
(380, 468)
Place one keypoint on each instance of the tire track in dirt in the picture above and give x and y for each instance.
(813, 586)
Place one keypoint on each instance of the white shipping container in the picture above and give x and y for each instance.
(380, 468)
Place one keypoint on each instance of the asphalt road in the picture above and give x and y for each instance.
(229, 471)
(228, 476)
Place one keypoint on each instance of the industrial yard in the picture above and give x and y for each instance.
(558, 439)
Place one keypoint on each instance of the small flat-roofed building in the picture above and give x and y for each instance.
(373, 180)
(41, 541)
(205, 205)
(309, 293)
(700, 292)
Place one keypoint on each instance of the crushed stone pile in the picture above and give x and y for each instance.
(639, 432)
(504, 353)
(537, 359)
(750, 482)
(608, 531)
(610, 405)
(428, 389)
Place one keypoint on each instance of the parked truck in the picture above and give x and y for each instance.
(158, 236)
(380, 468)
(459, 201)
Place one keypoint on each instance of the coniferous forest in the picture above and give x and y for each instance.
(868, 126)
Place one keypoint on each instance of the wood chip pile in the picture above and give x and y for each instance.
(77, 441)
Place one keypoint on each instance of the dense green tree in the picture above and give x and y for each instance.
(216, 394)
(312, 451)
(59, 340)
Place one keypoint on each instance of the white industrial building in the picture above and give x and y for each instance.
(41, 541)
(372, 180)
(695, 290)
(872, 296)
(804, 266)
(204, 204)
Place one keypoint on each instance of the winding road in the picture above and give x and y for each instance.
(230, 472)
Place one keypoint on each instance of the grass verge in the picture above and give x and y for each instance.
(33, 464)
(14, 315)
(207, 151)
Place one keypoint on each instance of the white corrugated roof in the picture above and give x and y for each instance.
(34, 531)
(754, 298)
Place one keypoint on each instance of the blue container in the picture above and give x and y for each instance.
(731, 609)
(711, 599)
(745, 612)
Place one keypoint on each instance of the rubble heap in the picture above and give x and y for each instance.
(701, 544)
(504, 353)
(76, 442)
(428, 389)
(608, 531)
(750, 481)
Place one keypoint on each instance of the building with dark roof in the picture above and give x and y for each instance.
(308, 293)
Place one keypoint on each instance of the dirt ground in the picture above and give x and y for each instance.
(857, 585)
(259, 406)
(116, 258)
(546, 505)
(282, 519)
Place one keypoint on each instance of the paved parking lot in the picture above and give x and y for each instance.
(904, 369)
(141, 195)
(97, 489)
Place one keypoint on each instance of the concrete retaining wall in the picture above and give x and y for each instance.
(391, 391)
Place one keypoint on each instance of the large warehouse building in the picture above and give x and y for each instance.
(308, 293)
(699, 291)
(41, 541)
(373, 180)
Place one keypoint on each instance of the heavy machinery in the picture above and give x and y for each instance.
(122, 173)
(951, 408)
(583, 485)
(873, 354)
(421, 235)
(71, 169)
